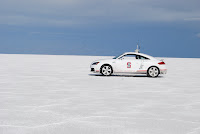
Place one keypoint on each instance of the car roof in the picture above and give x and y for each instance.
(145, 55)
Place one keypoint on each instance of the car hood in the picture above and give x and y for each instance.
(104, 60)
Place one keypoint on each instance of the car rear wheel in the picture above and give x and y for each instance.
(153, 71)
(106, 70)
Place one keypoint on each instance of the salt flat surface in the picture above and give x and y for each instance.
(46, 94)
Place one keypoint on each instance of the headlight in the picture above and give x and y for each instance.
(95, 63)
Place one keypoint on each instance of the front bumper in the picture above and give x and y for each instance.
(94, 68)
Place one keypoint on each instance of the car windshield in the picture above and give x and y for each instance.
(117, 56)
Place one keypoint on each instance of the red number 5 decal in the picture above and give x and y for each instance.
(128, 64)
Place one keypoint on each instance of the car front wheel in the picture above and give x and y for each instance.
(153, 71)
(106, 70)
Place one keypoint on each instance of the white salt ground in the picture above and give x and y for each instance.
(49, 94)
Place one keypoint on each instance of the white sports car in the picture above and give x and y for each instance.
(130, 62)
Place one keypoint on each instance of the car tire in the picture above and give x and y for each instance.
(153, 71)
(106, 70)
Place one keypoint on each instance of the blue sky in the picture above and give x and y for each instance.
(100, 27)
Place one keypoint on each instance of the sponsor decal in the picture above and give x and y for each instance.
(128, 64)
(141, 70)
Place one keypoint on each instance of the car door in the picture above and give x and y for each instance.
(128, 63)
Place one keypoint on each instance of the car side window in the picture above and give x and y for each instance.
(129, 56)
(141, 57)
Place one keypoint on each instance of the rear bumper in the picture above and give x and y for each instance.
(163, 71)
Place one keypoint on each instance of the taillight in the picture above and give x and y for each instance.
(161, 63)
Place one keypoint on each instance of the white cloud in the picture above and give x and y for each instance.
(198, 35)
(31, 20)
(46, 33)
(192, 19)
(77, 12)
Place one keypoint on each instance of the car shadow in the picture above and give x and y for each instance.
(136, 75)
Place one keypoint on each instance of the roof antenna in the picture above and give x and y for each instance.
(138, 48)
